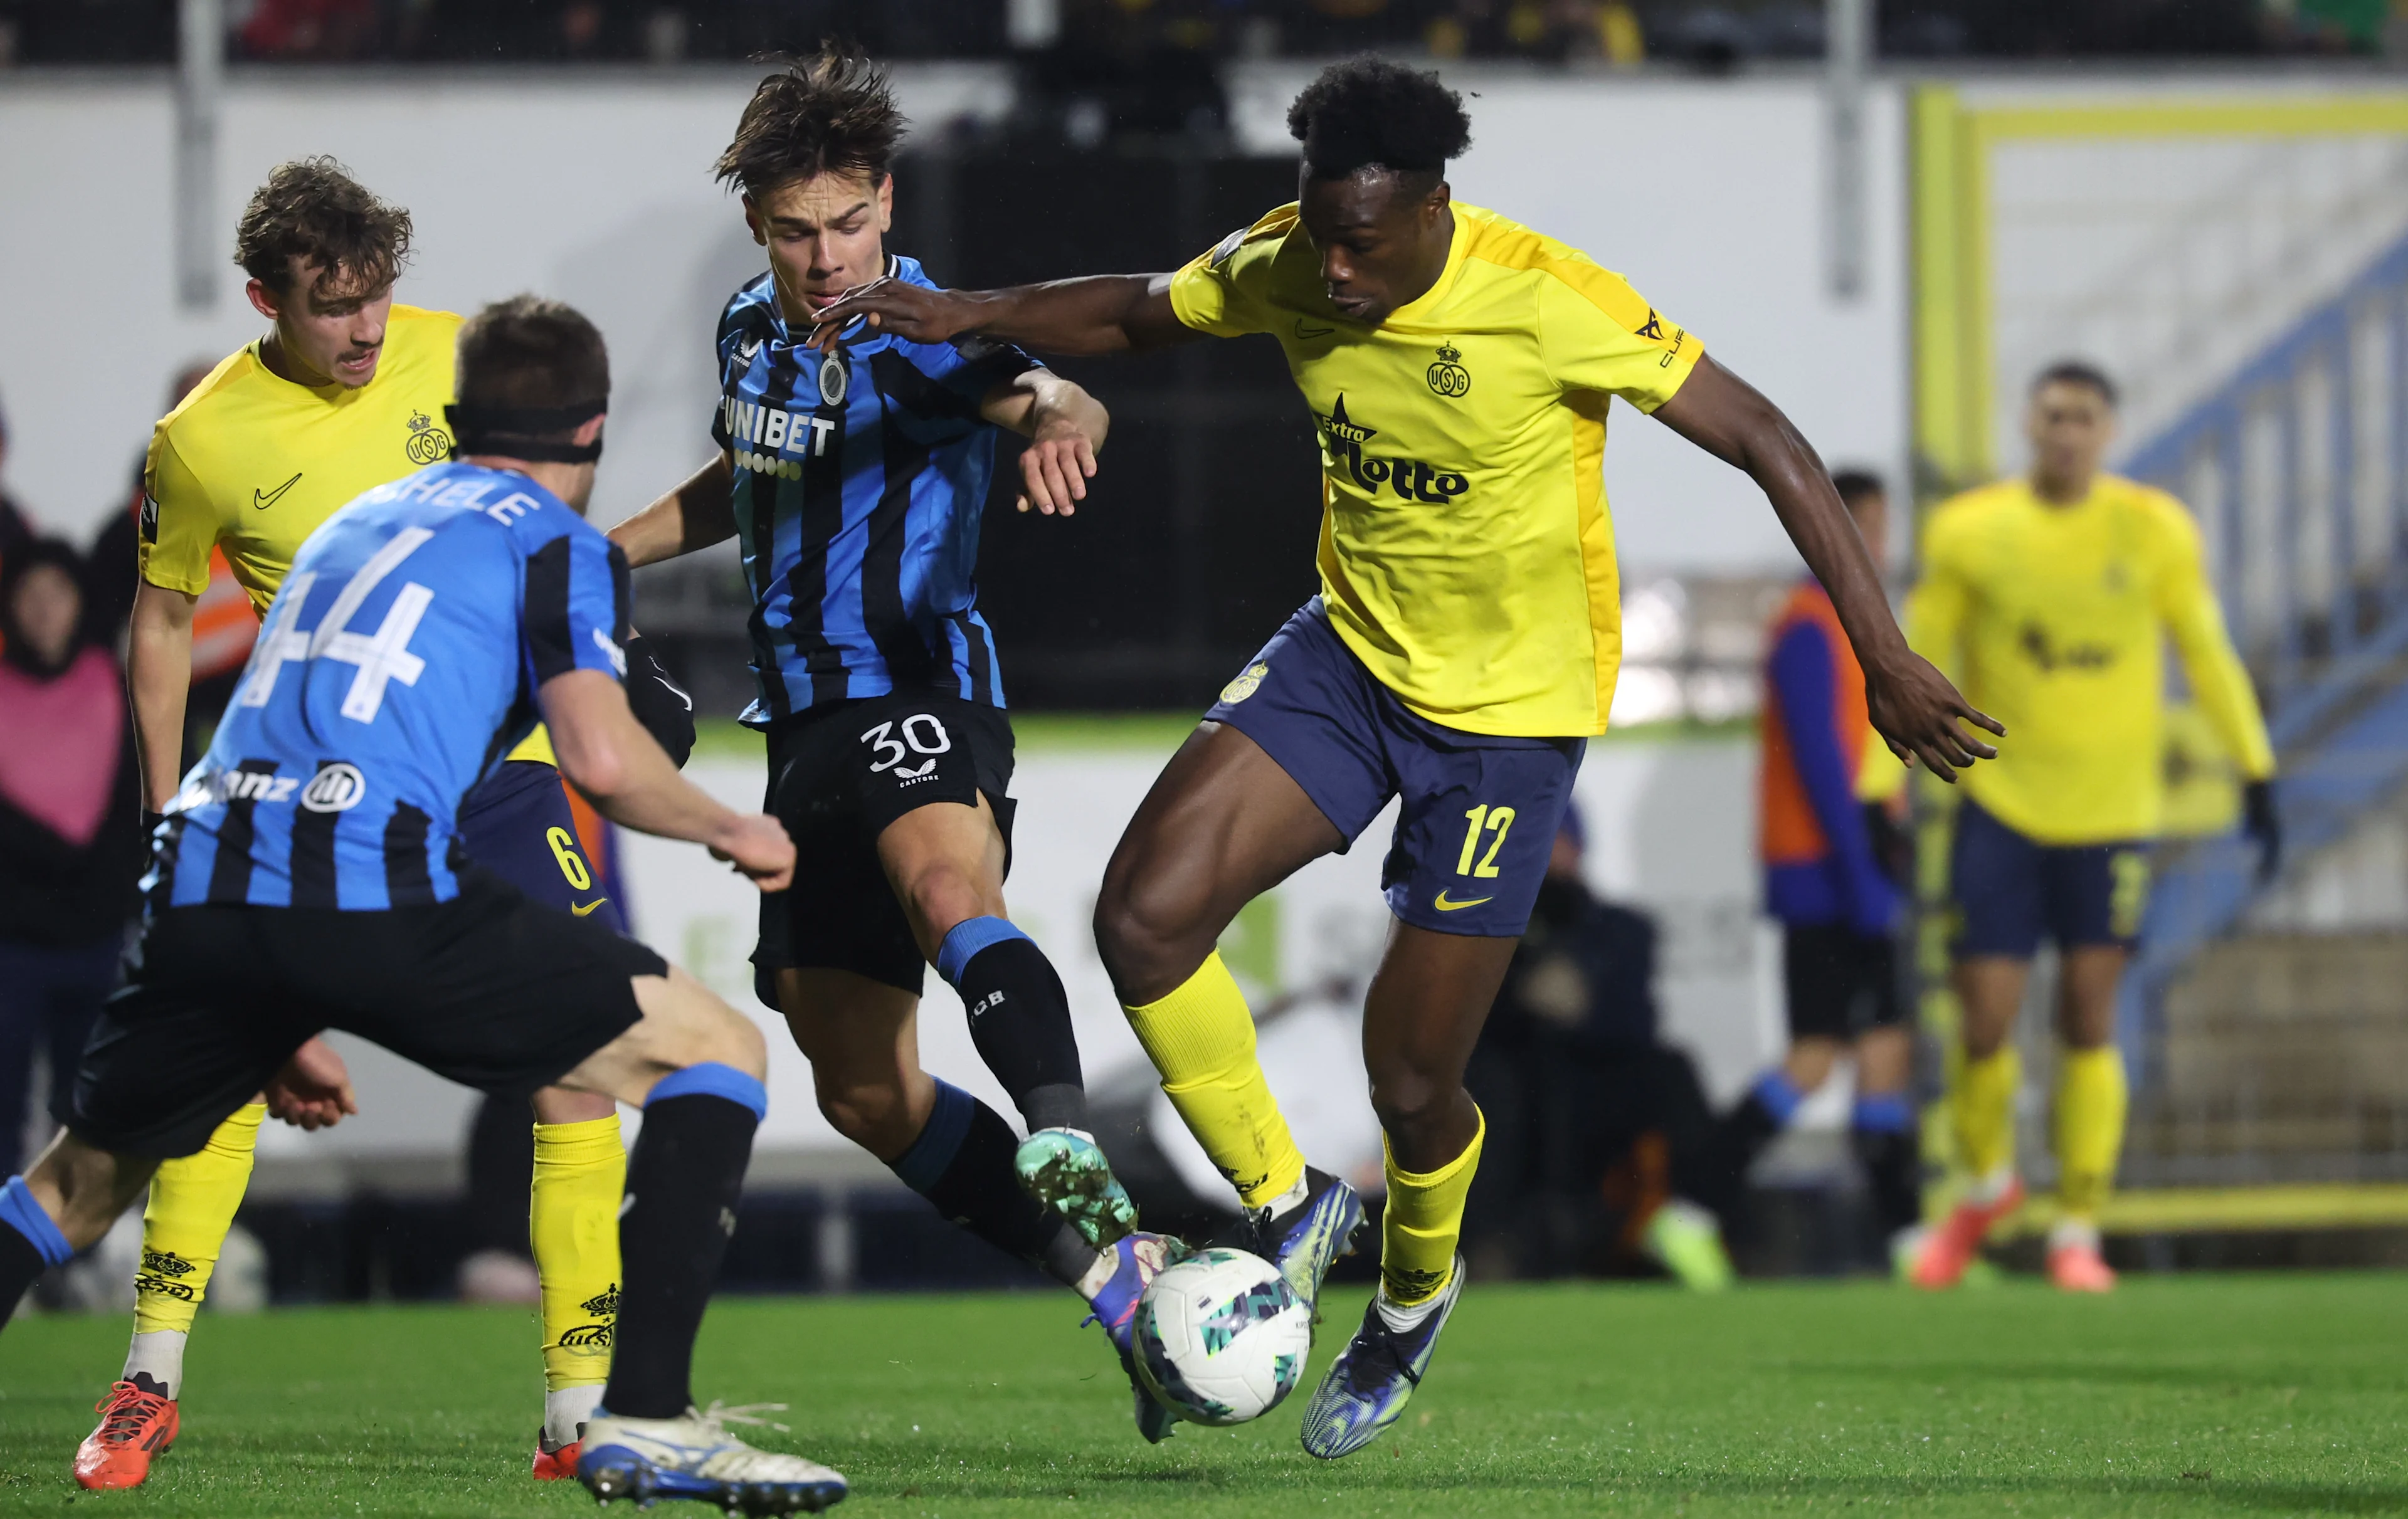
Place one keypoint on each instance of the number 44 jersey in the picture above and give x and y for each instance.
(400, 659)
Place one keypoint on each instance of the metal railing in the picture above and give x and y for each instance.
(2297, 468)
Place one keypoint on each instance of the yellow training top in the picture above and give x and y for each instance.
(2053, 619)
(253, 463)
(1467, 557)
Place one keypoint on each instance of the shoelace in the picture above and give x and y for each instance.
(728, 1413)
(126, 1410)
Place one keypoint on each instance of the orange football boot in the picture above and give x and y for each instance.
(135, 1425)
(2078, 1266)
(554, 1466)
(1957, 1242)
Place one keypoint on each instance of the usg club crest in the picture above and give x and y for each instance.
(336, 788)
(1448, 376)
(427, 442)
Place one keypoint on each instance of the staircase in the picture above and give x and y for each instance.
(2263, 1047)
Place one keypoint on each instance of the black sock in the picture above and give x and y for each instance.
(20, 1267)
(30, 1244)
(962, 1163)
(1893, 1173)
(682, 1183)
(501, 1161)
(1019, 1019)
(1737, 1141)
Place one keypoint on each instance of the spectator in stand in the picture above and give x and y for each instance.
(1595, 1128)
(70, 828)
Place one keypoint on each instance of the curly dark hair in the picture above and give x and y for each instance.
(834, 113)
(1373, 112)
(312, 210)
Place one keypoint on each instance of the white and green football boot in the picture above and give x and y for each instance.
(694, 1457)
(1368, 1386)
(1066, 1170)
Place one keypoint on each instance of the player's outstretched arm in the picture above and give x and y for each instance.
(607, 754)
(699, 512)
(1915, 707)
(159, 673)
(1065, 427)
(1105, 313)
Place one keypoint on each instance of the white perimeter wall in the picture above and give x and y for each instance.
(596, 187)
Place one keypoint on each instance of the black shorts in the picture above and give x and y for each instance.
(490, 989)
(837, 775)
(1841, 983)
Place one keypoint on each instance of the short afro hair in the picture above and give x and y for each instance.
(1373, 112)
(832, 113)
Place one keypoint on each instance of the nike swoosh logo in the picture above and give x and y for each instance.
(1441, 903)
(588, 908)
(264, 499)
(1309, 334)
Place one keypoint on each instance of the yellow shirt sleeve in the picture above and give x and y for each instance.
(1222, 292)
(1597, 334)
(1935, 608)
(180, 521)
(535, 746)
(2217, 679)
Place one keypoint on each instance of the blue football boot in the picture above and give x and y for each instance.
(1307, 1240)
(1372, 1381)
(1140, 1258)
(694, 1456)
(1067, 1172)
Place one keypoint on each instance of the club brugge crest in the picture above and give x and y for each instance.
(834, 378)
(427, 442)
(1448, 376)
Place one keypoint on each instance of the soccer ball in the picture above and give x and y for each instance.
(1221, 1338)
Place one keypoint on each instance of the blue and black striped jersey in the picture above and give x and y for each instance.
(860, 475)
(398, 662)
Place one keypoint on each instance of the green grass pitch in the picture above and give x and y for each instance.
(2269, 1395)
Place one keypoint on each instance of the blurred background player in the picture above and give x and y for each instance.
(1433, 665)
(1598, 1130)
(2051, 598)
(854, 479)
(1835, 868)
(343, 392)
(291, 891)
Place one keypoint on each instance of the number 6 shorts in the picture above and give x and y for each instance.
(1479, 811)
(839, 773)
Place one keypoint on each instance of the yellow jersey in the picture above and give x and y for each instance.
(2053, 619)
(1467, 554)
(251, 463)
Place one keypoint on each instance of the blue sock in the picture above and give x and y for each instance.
(1778, 1095)
(713, 1079)
(1019, 1019)
(962, 1163)
(1882, 1113)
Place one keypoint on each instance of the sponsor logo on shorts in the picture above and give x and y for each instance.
(336, 788)
(1245, 684)
(1441, 902)
(583, 910)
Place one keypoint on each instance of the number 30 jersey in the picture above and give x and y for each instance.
(399, 660)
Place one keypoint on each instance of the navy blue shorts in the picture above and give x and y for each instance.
(1480, 812)
(516, 823)
(2011, 890)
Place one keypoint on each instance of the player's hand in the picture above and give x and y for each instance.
(2262, 822)
(312, 1090)
(895, 306)
(756, 844)
(1055, 468)
(1920, 716)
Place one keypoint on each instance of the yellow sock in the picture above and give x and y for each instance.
(1423, 1222)
(1201, 1040)
(2090, 1101)
(581, 1170)
(193, 1202)
(1985, 1101)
